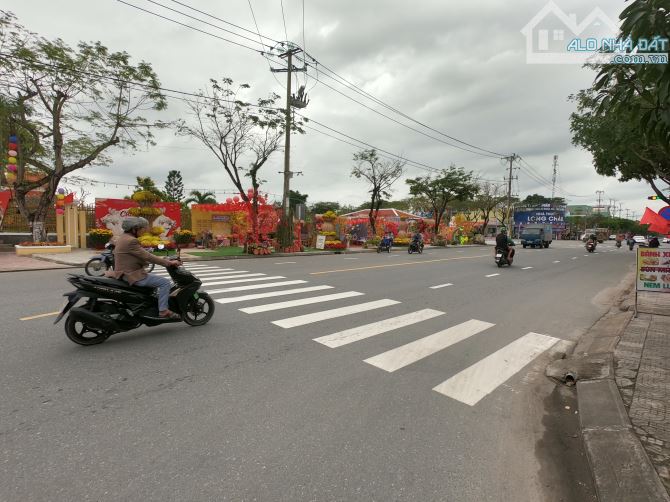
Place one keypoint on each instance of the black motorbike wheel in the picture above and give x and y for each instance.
(409, 250)
(95, 267)
(199, 310)
(81, 334)
(420, 250)
(499, 263)
(379, 250)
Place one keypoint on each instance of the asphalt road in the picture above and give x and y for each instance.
(428, 394)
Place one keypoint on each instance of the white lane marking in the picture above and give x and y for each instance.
(460, 251)
(412, 352)
(234, 272)
(351, 258)
(441, 286)
(284, 262)
(376, 328)
(473, 383)
(207, 281)
(196, 265)
(557, 261)
(255, 286)
(301, 320)
(574, 257)
(585, 255)
(253, 279)
(302, 301)
(234, 276)
(526, 268)
(194, 270)
(491, 275)
(270, 294)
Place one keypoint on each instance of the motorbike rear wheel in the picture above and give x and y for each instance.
(199, 310)
(96, 267)
(77, 332)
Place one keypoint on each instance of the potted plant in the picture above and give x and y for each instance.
(99, 237)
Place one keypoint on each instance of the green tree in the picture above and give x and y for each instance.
(174, 187)
(240, 135)
(490, 196)
(68, 107)
(380, 175)
(451, 184)
(624, 118)
(540, 200)
(618, 144)
(296, 198)
(198, 197)
(147, 184)
(322, 207)
(640, 92)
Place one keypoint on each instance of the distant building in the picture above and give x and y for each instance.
(579, 211)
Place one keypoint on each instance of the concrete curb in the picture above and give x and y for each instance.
(620, 466)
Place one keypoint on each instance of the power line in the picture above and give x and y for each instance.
(356, 89)
(283, 18)
(187, 26)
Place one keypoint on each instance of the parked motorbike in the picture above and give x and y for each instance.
(501, 257)
(113, 306)
(98, 265)
(415, 247)
(590, 246)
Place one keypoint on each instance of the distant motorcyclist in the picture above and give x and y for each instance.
(130, 259)
(593, 240)
(503, 243)
(654, 243)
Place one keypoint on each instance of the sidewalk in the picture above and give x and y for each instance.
(622, 371)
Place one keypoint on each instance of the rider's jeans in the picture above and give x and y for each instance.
(163, 284)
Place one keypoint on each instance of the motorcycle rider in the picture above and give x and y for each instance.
(130, 259)
(592, 239)
(502, 243)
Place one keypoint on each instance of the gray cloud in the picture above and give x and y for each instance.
(459, 67)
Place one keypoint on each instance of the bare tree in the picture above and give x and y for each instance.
(380, 175)
(490, 196)
(241, 136)
(67, 107)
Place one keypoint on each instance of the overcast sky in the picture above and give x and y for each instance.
(458, 67)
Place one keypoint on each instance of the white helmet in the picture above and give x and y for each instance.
(130, 224)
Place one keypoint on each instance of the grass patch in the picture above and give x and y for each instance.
(223, 251)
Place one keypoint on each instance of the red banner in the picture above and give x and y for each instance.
(5, 197)
(110, 213)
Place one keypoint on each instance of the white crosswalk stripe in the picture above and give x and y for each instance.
(271, 294)
(474, 383)
(376, 328)
(207, 281)
(412, 352)
(197, 273)
(292, 322)
(255, 286)
(253, 279)
(439, 286)
(296, 303)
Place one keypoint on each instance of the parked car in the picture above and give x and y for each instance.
(666, 240)
(640, 240)
(612, 237)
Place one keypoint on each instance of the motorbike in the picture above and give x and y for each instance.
(590, 246)
(501, 257)
(113, 306)
(98, 265)
(618, 244)
(631, 244)
(415, 247)
(385, 245)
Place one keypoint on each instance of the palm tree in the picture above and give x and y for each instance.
(199, 197)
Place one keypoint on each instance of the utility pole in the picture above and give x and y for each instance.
(553, 179)
(600, 194)
(620, 209)
(300, 102)
(627, 214)
(511, 159)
